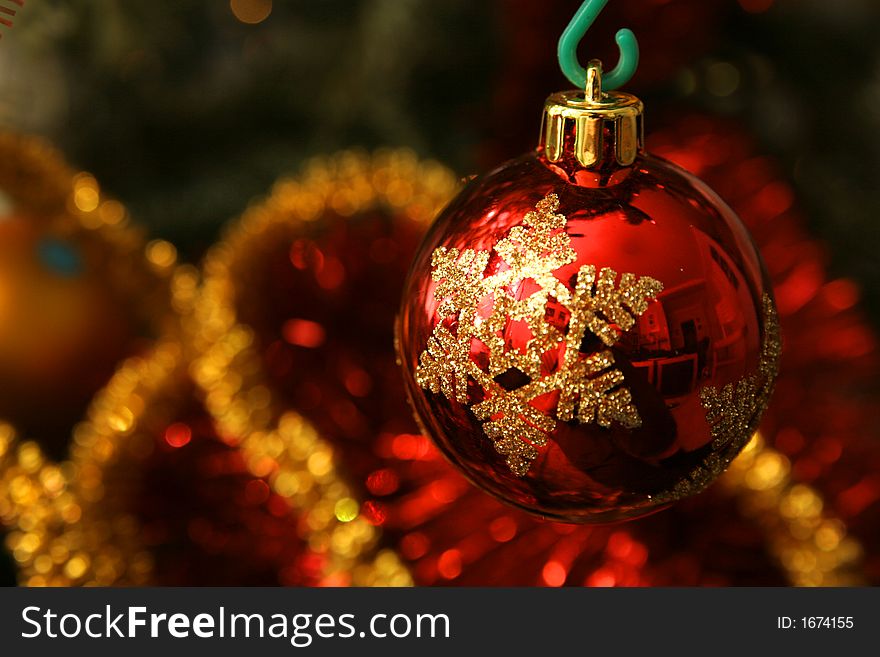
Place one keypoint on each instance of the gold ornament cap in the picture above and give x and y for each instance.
(592, 129)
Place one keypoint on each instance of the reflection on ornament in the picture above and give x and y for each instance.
(732, 411)
(735, 411)
(514, 323)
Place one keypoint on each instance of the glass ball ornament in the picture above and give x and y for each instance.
(61, 331)
(588, 332)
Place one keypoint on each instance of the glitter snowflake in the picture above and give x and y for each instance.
(477, 309)
(734, 411)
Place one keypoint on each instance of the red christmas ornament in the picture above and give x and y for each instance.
(588, 331)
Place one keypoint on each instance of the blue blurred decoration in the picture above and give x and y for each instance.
(60, 257)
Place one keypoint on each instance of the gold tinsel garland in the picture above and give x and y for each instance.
(68, 529)
(806, 539)
(34, 175)
(64, 530)
(279, 445)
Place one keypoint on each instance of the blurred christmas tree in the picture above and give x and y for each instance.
(189, 110)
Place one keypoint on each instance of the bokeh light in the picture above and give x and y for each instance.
(251, 11)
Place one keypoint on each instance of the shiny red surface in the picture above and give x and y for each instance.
(705, 329)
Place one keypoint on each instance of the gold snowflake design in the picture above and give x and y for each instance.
(734, 411)
(590, 389)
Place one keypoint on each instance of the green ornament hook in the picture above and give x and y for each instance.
(575, 32)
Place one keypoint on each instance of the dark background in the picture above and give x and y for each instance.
(186, 113)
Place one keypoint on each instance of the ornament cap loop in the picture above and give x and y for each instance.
(591, 129)
(593, 89)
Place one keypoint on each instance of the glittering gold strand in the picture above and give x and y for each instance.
(34, 503)
(139, 401)
(62, 529)
(66, 529)
(33, 175)
(71, 522)
(282, 446)
(810, 544)
(90, 536)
